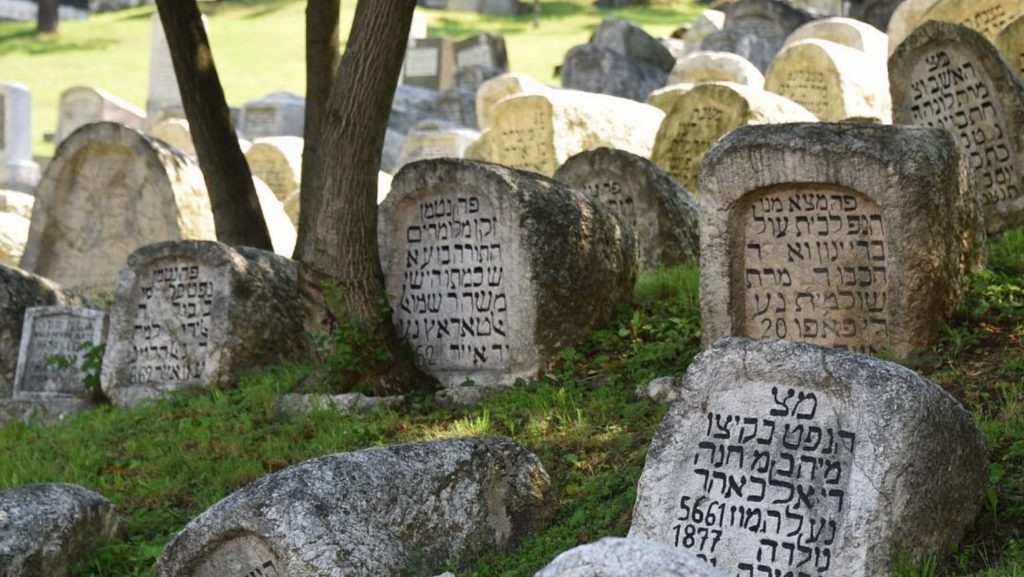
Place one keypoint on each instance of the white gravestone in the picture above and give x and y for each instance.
(848, 32)
(81, 105)
(53, 332)
(430, 63)
(17, 169)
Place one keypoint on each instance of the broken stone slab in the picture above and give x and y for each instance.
(277, 161)
(845, 235)
(1010, 44)
(370, 512)
(57, 331)
(756, 29)
(504, 85)
(294, 404)
(701, 66)
(769, 436)
(664, 216)
(591, 68)
(46, 529)
(618, 557)
(846, 31)
(197, 313)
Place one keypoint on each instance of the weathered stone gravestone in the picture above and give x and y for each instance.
(175, 132)
(755, 29)
(621, 60)
(372, 512)
(708, 112)
(874, 12)
(502, 86)
(788, 458)
(195, 313)
(52, 332)
(665, 98)
(430, 63)
(628, 39)
(277, 114)
(985, 16)
(709, 21)
(538, 132)
(664, 216)
(17, 169)
(826, 233)
(277, 161)
(1010, 43)
(163, 84)
(108, 191)
(701, 66)
(478, 258)
(485, 49)
(436, 141)
(618, 557)
(833, 81)
(81, 105)
(848, 32)
(49, 528)
(951, 77)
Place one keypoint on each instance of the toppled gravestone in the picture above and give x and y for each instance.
(949, 76)
(846, 31)
(195, 313)
(621, 60)
(46, 529)
(493, 271)
(701, 66)
(618, 557)
(787, 458)
(844, 235)
(1010, 43)
(108, 191)
(371, 512)
(664, 216)
(755, 29)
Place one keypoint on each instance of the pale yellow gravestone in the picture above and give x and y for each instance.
(1010, 43)
(81, 105)
(707, 66)
(664, 98)
(175, 131)
(502, 86)
(986, 16)
(277, 161)
(846, 31)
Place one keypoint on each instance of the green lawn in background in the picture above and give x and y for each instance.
(258, 46)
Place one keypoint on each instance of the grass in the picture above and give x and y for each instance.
(258, 46)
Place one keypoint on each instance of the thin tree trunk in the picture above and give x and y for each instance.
(338, 232)
(236, 208)
(48, 16)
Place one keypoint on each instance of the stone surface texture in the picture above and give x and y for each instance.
(591, 68)
(293, 404)
(868, 233)
(701, 66)
(618, 557)
(665, 98)
(277, 161)
(631, 41)
(664, 216)
(899, 467)
(56, 331)
(756, 29)
(195, 313)
(846, 31)
(504, 85)
(13, 236)
(905, 18)
(436, 142)
(411, 105)
(46, 529)
(371, 512)
(283, 234)
(175, 132)
(19, 203)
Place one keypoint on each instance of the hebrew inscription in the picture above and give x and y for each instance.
(950, 89)
(814, 269)
(52, 352)
(614, 195)
(766, 493)
(696, 129)
(525, 140)
(808, 88)
(246, 556)
(454, 306)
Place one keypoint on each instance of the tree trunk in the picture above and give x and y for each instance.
(338, 230)
(236, 208)
(47, 17)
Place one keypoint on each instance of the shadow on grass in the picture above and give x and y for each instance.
(23, 39)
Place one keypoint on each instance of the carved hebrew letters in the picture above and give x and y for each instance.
(810, 89)
(697, 129)
(766, 491)
(55, 336)
(814, 269)
(245, 556)
(453, 301)
(524, 140)
(616, 196)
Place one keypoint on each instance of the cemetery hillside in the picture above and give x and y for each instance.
(512, 288)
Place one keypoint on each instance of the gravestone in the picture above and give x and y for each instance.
(874, 12)
(951, 77)
(1010, 43)
(51, 332)
(538, 132)
(436, 141)
(985, 16)
(195, 313)
(701, 66)
(277, 161)
(618, 557)
(108, 191)
(277, 114)
(905, 18)
(163, 84)
(827, 234)
(755, 29)
(708, 112)
(663, 215)
(628, 39)
(379, 512)
(848, 32)
(504, 85)
(429, 63)
(175, 132)
(591, 68)
(485, 49)
(457, 105)
(787, 458)
(665, 98)
(283, 234)
(833, 81)
(81, 105)
(17, 169)
(492, 271)
(708, 22)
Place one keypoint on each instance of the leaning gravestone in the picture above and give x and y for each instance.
(277, 161)
(701, 66)
(664, 216)
(1010, 43)
(17, 169)
(49, 333)
(277, 114)
(492, 271)
(538, 132)
(784, 458)
(618, 557)
(81, 105)
(108, 191)
(833, 81)
(374, 512)
(755, 29)
(848, 32)
(429, 63)
(826, 233)
(708, 112)
(485, 49)
(195, 313)
(950, 76)
(502, 86)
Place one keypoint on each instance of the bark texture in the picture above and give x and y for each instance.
(48, 17)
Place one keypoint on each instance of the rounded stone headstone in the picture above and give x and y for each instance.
(985, 16)
(175, 132)
(81, 105)
(701, 66)
(492, 271)
(848, 32)
(107, 191)
(618, 557)
(1010, 44)
(790, 458)
(853, 236)
(755, 29)
(833, 81)
(494, 89)
(950, 76)
(701, 116)
(663, 215)
(371, 512)
(277, 161)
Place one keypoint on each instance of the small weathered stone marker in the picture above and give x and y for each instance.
(81, 105)
(17, 169)
(485, 49)
(844, 235)
(701, 66)
(950, 76)
(56, 331)
(787, 458)
(430, 63)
